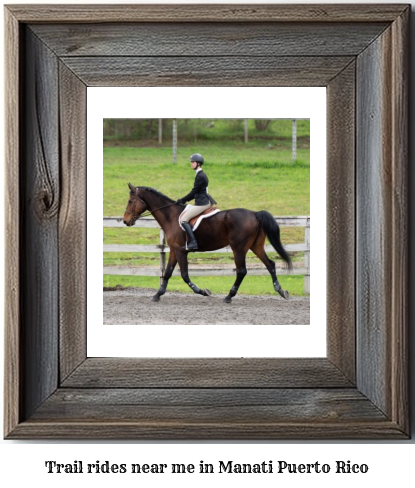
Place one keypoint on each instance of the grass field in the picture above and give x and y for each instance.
(249, 175)
(252, 285)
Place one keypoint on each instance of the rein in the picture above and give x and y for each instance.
(147, 212)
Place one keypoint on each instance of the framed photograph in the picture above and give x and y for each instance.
(53, 387)
(256, 163)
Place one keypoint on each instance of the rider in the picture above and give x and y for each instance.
(203, 200)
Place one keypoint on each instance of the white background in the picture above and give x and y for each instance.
(22, 463)
(306, 340)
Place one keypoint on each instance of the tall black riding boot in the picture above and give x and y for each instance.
(192, 244)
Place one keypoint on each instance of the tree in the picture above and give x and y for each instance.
(262, 124)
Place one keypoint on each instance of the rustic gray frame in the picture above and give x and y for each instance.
(359, 52)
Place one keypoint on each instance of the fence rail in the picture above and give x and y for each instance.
(222, 270)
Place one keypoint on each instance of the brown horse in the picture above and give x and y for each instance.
(241, 229)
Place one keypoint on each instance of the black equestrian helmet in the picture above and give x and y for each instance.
(198, 158)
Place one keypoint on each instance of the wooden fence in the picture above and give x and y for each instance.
(221, 270)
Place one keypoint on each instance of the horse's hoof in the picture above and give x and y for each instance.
(227, 300)
(206, 293)
(284, 293)
(156, 298)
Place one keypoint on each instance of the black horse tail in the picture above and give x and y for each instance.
(272, 230)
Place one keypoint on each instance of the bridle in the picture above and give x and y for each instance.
(146, 212)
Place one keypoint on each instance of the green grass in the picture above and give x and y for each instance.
(213, 259)
(252, 285)
(249, 177)
(240, 175)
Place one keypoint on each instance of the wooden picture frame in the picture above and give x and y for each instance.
(360, 53)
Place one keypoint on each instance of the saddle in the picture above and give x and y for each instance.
(195, 222)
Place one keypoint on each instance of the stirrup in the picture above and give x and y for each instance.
(192, 246)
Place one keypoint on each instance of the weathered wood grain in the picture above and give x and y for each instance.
(210, 405)
(12, 370)
(373, 224)
(237, 39)
(104, 398)
(207, 71)
(206, 373)
(382, 222)
(39, 217)
(207, 13)
(72, 222)
(188, 430)
(400, 232)
(341, 236)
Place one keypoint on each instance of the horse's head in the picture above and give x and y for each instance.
(135, 207)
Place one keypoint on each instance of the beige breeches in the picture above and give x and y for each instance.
(193, 211)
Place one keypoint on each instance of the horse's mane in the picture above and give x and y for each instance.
(149, 188)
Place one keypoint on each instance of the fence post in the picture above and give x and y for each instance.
(294, 141)
(162, 254)
(307, 258)
(174, 141)
(245, 130)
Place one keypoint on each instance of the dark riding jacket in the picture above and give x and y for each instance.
(199, 191)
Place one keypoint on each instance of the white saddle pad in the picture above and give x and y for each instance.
(199, 217)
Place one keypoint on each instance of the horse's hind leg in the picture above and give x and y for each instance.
(184, 271)
(258, 249)
(167, 275)
(240, 275)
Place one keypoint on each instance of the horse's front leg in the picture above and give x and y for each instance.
(167, 275)
(184, 271)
